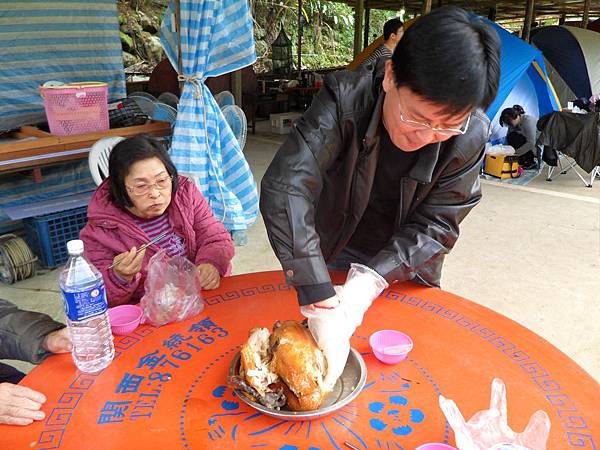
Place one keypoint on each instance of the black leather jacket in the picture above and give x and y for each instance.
(317, 187)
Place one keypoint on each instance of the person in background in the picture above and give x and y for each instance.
(392, 33)
(25, 336)
(142, 198)
(522, 135)
(595, 103)
(380, 171)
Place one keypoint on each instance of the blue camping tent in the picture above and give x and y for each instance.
(523, 81)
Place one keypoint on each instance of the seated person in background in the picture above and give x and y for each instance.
(595, 103)
(522, 134)
(26, 336)
(143, 197)
(392, 33)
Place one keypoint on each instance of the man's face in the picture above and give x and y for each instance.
(406, 116)
(395, 37)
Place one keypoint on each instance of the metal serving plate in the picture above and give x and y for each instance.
(346, 389)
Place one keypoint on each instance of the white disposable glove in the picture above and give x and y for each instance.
(333, 328)
(363, 285)
(332, 331)
(489, 429)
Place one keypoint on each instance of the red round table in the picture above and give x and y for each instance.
(166, 388)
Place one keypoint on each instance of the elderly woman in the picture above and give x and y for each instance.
(142, 198)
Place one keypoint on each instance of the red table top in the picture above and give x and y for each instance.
(167, 387)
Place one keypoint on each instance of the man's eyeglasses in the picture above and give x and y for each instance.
(442, 131)
(144, 189)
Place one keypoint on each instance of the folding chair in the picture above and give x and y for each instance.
(571, 164)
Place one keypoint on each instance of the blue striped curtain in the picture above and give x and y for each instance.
(63, 40)
(216, 38)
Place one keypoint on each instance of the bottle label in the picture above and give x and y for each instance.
(85, 304)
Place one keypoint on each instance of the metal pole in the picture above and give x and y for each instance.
(359, 8)
(367, 20)
(178, 31)
(236, 86)
(426, 6)
(586, 14)
(300, 31)
(528, 20)
(562, 19)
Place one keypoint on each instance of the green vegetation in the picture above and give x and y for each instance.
(328, 37)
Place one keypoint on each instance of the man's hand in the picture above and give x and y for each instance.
(332, 333)
(58, 341)
(209, 276)
(20, 405)
(128, 264)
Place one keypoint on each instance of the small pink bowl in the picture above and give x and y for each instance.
(434, 446)
(390, 346)
(124, 318)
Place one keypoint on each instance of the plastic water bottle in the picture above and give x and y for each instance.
(86, 308)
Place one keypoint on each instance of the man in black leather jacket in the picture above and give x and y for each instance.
(384, 165)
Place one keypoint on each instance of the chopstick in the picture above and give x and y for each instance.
(143, 247)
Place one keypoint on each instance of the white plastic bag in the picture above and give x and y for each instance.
(172, 290)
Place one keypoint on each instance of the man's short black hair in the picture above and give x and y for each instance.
(390, 27)
(128, 152)
(450, 58)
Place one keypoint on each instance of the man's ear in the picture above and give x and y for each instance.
(388, 78)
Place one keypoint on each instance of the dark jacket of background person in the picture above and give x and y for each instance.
(317, 188)
(22, 334)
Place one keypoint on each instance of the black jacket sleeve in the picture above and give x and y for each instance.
(290, 189)
(22, 333)
(433, 227)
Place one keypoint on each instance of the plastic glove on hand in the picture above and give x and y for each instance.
(363, 285)
(332, 332)
(489, 429)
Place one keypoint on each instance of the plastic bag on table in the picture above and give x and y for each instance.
(489, 430)
(172, 290)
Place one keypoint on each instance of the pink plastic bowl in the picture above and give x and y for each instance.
(390, 346)
(433, 446)
(124, 318)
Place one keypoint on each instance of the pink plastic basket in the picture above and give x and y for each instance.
(76, 108)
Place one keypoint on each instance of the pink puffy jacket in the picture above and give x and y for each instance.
(111, 230)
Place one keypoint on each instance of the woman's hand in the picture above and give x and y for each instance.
(127, 264)
(209, 276)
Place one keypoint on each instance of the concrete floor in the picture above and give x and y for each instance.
(542, 240)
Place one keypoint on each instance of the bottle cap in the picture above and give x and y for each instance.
(75, 247)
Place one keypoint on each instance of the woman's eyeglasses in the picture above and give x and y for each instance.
(144, 189)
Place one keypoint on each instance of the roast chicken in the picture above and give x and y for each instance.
(282, 368)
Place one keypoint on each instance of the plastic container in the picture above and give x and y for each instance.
(124, 318)
(48, 235)
(76, 108)
(434, 446)
(86, 309)
(390, 346)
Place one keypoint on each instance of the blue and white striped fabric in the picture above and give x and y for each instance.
(216, 38)
(63, 40)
